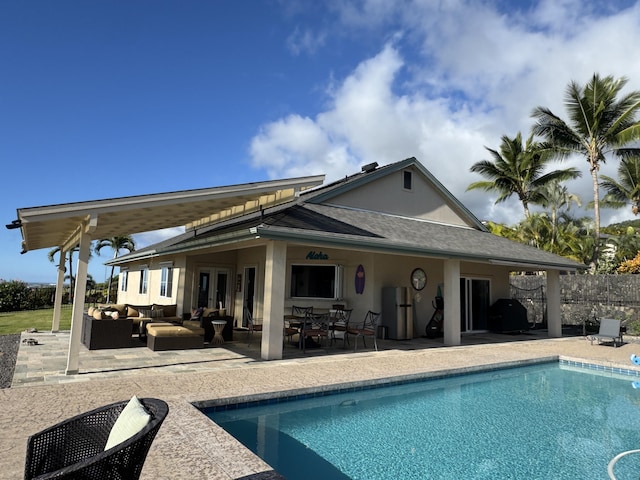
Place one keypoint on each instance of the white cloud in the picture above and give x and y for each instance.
(145, 239)
(478, 76)
(305, 41)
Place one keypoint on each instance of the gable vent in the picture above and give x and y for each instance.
(370, 167)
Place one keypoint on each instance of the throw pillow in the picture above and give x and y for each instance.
(145, 313)
(157, 313)
(131, 420)
(169, 310)
(132, 312)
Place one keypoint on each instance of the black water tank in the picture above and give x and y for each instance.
(508, 315)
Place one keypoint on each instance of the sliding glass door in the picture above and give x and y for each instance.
(475, 298)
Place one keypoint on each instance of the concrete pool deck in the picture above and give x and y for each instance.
(188, 445)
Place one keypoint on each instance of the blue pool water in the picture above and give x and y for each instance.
(539, 422)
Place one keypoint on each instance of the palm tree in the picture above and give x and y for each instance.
(71, 278)
(599, 124)
(555, 196)
(116, 244)
(518, 169)
(626, 189)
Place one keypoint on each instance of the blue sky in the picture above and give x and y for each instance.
(104, 99)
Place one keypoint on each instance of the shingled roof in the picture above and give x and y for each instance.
(307, 219)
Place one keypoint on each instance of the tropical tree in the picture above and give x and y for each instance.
(518, 169)
(555, 197)
(626, 189)
(570, 238)
(51, 256)
(599, 124)
(116, 244)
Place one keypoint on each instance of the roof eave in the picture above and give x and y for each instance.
(274, 233)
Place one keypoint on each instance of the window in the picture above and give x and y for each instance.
(166, 281)
(124, 279)
(316, 281)
(407, 180)
(144, 280)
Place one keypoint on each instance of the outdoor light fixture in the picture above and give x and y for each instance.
(14, 224)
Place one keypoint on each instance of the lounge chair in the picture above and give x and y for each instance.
(609, 330)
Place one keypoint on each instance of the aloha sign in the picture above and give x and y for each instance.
(313, 255)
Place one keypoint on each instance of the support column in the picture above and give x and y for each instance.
(273, 314)
(451, 302)
(554, 311)
(57, 303)
(78, 305)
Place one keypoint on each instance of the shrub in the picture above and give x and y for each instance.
(14, 295)
(630, 266)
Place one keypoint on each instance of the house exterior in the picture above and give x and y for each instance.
(270, 245)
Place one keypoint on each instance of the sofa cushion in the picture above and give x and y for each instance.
(117, 307)
(170, 330)
(99, 314)
(194, 326)
(169, 310)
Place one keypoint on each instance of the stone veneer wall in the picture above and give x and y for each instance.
(584, 297)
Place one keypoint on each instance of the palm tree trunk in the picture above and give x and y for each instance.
(71, 281)
(554, 224)
(110, 280)
(596, 213)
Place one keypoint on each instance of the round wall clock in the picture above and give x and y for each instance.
(418, 279)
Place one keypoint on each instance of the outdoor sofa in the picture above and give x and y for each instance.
(112, 325)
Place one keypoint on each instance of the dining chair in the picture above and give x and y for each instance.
(338, 324)
(298, 311)
(253, 325)
(314, 325)
(367, 328)
(292, 323)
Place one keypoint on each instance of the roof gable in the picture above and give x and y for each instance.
(403, 188)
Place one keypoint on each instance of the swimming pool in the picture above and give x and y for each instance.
(542, 421)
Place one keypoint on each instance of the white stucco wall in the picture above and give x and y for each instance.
(133, 297)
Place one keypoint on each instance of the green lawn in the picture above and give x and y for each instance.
(16, 322)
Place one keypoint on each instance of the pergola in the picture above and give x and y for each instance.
(66, 226)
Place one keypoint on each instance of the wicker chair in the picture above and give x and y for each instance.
(74, 448)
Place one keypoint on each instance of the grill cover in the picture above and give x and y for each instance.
(508, 315)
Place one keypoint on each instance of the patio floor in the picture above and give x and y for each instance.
(190, 446)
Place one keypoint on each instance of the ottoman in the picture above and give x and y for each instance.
(165, 336)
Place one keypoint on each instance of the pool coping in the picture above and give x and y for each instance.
(270, 398)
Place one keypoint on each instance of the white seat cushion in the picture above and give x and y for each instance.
(131, 420)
